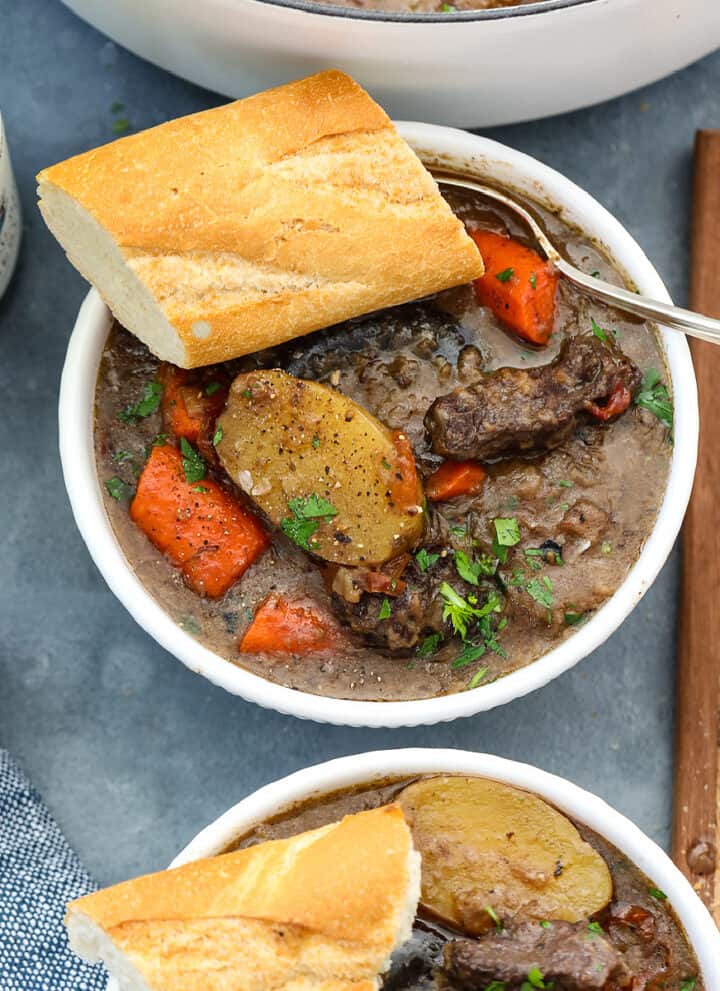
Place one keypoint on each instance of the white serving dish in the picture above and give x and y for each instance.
(580, 805)
(10, 219)
(470, 69)
(473, 155)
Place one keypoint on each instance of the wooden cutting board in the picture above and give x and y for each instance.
(696, 835)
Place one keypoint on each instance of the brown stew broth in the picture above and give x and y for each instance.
(598, 493)
(414, 964)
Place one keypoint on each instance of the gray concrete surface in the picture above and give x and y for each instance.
(132, 752)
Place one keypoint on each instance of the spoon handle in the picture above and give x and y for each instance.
(673, 317)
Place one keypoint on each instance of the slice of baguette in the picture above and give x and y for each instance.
(321, 911)
(238, 228)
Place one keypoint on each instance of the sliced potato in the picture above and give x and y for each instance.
(333, 477)
(489, 850)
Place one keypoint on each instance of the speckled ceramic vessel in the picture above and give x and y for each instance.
(10, 226)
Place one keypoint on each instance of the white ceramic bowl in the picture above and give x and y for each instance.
(581, 805)
(474, 155)
(471, 69)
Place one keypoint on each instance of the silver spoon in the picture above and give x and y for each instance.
(673, 317)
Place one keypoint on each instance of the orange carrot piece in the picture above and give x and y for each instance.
(455, 478)
(518, 286)
(403, 480)
(285, 626)
(203, 530)
(187, 410)
(176, 418)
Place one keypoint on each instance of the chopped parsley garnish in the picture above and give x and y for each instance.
(606, 547)
(534, 558)
(118, 489)
(535, 977)
(212, 387)
(246, 394)
(657, 894)
(200, 488)
(385, 610)
(471, 570)
(496, 986)
(541, 590)
(458, 531)
(507, 534)
(386, 464)
(595, 929)
(505, 275)
(493, 914)
(654, 396)
(425, 560)
(595, 274)
(120, 456)
(446, 8)
(470, 653)
(315, 442)
(545, 924)
(307, 515)
(217, 436)
(147, 404)
(533, 280)
(473, 683)
(429, 645)
(121, 125)
(158, 440)
(574, 618)
(564, 483)
(461, 612)
(194, 467)
(688, 984)
(599, 332)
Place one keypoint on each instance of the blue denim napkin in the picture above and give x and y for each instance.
(39, 874)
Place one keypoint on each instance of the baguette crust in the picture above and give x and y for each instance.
(259, 221)
(320, 910)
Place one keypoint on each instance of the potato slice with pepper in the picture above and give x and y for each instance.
(492, 852)
(338, 482)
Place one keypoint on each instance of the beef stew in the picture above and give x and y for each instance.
(537, 900)
(538, 429)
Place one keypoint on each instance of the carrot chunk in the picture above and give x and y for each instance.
(403, 473)
(285, 626)
(190, 405)
(203, 530)
(518, 286)
(455, 478)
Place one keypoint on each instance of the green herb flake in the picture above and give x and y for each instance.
(574, 618)
(595, 274)
(429, 645)
(158, 440)
(533, 280)
(545, 924)
(145, 406)
(470, 653)
(541, 591)
(385, 610)
(535, 977)
(564, 483)
(315, 442)
(505, 275)
(688, 984)
(654, 397)
(212, 387)
(657, 894)
(447, 8)
(307, 515)
(471, 570)
(606, 547)
(495, 986)
(492, 913)
(200, 488)
(386, 464)
(246, 394)
(425, 560)
(507, 534)
(217, 436)
(599, 332)
(193, 465)
(473, 683)
(121, 125)
(119, 489)
(595, 929)
(458, 531)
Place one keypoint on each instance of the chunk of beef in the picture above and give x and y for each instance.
(523, 411)
(574, 957)
(415, 614)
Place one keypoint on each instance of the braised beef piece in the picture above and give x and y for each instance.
(523, 411)
(416, 613)
(573, 956)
